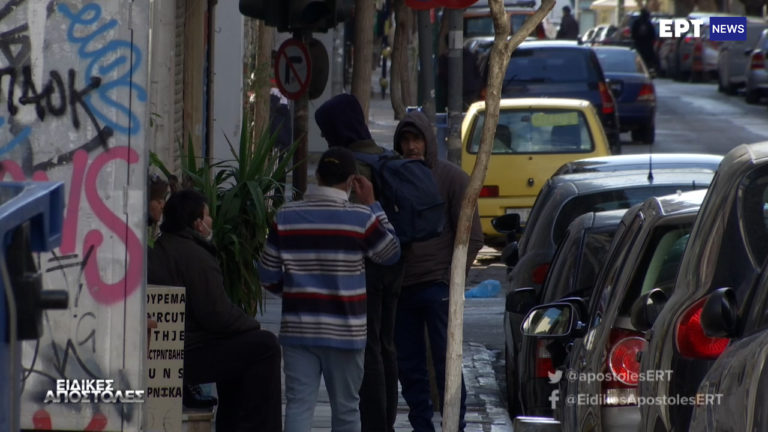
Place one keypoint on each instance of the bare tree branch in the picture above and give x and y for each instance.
(500, 54)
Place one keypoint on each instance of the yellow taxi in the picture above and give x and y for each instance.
(534, 137)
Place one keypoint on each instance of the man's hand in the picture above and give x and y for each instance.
(363, 190)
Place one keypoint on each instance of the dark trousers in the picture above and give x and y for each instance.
(420, 306)
(246, 369)
(378, 393)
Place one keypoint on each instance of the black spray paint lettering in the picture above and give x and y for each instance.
(54, 98)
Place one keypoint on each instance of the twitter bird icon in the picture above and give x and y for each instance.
(555, 378)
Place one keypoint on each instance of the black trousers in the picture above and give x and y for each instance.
(246, 369)
(378, 393)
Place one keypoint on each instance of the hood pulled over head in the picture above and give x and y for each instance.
(341, 121)
(417, 121)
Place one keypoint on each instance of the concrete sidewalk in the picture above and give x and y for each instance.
(485, 408)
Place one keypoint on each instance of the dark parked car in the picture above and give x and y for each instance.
(738, 381)
(727, 248)
(562, 69)
(575, 266)
(642, 265)
(641, 161)
(602, 340)
(633, 88)
(560, 201)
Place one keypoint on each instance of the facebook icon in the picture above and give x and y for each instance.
(728, 28)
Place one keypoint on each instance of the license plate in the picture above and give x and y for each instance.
(523, 212)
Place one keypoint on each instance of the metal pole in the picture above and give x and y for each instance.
(427, 72)
(455, 83)
(300, 133)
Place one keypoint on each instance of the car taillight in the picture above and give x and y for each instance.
(539, 274)
(483, 93)
(688, 39)
(757, 61)
(489, 192)
(624, 361)
(627, 32)
(623, 364)
(544, 366)
(691, 339)
(605, 98)
(646, 93)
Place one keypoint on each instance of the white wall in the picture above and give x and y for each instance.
(100, 261)
(228, 54)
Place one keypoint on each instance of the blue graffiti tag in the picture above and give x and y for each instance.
(110, 58)
(24, 134)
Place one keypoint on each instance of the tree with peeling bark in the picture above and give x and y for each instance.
(363, 54)
(400, 89)
(501, 51)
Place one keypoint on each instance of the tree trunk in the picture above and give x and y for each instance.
(500, 53)
(258, 79)
(363, 56)
(399, 68)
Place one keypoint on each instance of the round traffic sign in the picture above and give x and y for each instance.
(293, 68)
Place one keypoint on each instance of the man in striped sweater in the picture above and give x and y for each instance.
(314, 258)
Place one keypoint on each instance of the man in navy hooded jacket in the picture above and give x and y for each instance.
(343, 124)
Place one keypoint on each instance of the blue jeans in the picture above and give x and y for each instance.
(419, 306)
(342, 371)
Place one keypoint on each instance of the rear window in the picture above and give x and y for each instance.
(576, 271)
(483, 25)
(607, 200)
(536, 131)
(620, 61)
(550, 65)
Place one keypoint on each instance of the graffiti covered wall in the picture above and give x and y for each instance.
(73, 80)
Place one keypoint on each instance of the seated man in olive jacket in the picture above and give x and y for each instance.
(222, 344)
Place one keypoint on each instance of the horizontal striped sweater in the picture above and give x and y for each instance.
(314, 258)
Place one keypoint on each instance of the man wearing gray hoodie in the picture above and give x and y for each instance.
(425, 288)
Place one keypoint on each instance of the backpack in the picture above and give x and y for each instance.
(409, 195)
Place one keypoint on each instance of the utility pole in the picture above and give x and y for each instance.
(455, 82)
(301, 132)
(427, 71)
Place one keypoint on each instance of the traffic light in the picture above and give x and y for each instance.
(292, 15)
(273, 13)
(319, 15)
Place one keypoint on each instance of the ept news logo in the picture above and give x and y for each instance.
(720, 28)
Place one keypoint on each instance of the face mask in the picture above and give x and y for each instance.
(208, 237)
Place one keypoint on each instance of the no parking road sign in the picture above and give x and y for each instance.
(293, 68)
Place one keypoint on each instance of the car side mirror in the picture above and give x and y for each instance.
(510, 255)
(508, 223)
(720, 315)
(647, 308)
(521, 300)
(748, 52)
(552, 320)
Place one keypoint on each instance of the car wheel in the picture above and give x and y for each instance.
(513, 401)
(645, 134)
(752, 97)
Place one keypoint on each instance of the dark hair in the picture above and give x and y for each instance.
(335, 166)
(157, 187)
(182, 210)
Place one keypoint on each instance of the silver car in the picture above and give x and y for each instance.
(733, 57)
(756, 76)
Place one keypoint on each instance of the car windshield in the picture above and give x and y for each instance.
(620, 61)
(549, 65)
(536, 131)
